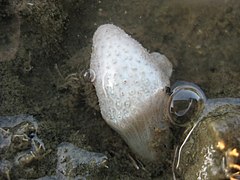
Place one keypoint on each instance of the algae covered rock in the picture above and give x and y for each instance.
(19, 145)
(75, 162)
(212, 150)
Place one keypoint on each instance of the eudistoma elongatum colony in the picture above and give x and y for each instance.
(130, 84)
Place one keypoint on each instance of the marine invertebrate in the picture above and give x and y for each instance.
(130, 83)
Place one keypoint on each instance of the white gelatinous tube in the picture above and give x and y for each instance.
(130, 85)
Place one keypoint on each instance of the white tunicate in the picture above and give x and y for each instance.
(131, 81)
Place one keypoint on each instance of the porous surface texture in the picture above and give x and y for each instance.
(126, 74)
(130, 85)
